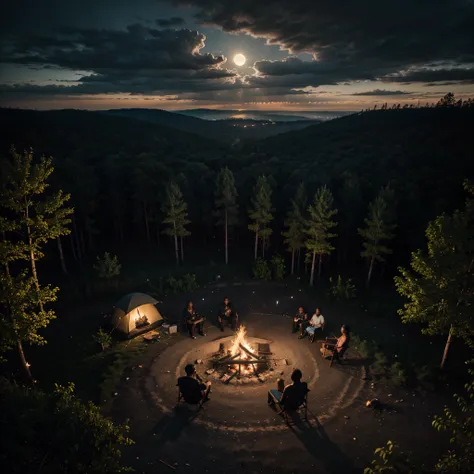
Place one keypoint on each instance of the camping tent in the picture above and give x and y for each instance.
(135, 314)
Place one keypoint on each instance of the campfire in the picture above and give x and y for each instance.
(242, 358)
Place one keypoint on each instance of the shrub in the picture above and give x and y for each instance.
(364, 347)
(108, 266)
(379, 367)
(278, 267)
(398, 374)
(426, 376)
(56, 432)
(260, 270)
(342, 290)
(189, 282)
(389, 460)
(103, 338)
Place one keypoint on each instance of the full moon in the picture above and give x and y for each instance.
(239, 59)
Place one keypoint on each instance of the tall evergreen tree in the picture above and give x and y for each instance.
(176, 217)
(39, 217)
(318, 226)
(261, 213)
(379, 226)
(226, 205)
(440, 285)
(294, 234)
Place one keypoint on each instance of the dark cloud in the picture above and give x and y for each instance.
(382, 92)
(351, 39)
(453, 75)
(168, 22)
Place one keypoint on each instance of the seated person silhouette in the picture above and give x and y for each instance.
(340, 344)
(300, 321)
(316, 323)
(292, 396)
(190, 316)
(227, 315)
(192, 387)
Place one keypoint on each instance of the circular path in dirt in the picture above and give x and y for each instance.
(242, 407)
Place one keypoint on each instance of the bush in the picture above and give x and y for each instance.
(103, 338)
(278, 267)
(379, 367)
(364, 347)
(426, 376)
(56, 432)
(342, 290)
(398, 374)
(260, 270)
(108, 266)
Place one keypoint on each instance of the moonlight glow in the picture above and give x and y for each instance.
(240, 59)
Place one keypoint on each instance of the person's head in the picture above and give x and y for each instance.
(297, 375)
(318, 311)
(226, 300)
(189, 369)
(345, 329)
(301, 310)
(190, 305)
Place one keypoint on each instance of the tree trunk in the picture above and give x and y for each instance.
(371, 267)
(292, 261)
(33, 264)
(446, 348)
(147, 224)
(263, 247)
(61, 255)
(256, 245)
(182, 250)
(320, 264)
(176, 244)
(226, 240)
(24, 363)
(311, 279)
(75, 239)
(73, 245)
(299, 260)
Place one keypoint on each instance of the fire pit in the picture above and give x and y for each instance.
(242, 358)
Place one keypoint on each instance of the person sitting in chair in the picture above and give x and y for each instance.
(293, 395)
(316, 323)
(341, 343)
(190, 317)
(192, 387)
(227, 315)
(300, 321)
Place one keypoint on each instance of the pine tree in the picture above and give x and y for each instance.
(227, 208)
(38, 217)
(318, 226)
(176, 217)
(261, 213)
(440, 285)
(294, 235)
(379, 227)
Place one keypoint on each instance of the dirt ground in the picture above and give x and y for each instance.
(237, 432)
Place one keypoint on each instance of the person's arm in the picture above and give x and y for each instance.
(323, 322)
(341, 341)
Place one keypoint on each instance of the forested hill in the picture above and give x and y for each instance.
(73, 132)
(117, 169)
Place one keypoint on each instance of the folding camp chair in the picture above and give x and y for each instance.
(181, 399)
(302, 407)
(329, 351)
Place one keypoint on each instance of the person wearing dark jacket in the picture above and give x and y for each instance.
(227, 315)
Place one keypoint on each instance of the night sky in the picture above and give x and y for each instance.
(300, 54)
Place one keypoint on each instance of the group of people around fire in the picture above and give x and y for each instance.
(195, 390)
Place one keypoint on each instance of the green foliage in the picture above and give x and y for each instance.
(426, 376)
(460, 425)
(261, 209)
(342, 290)
(319, 223)
(20, 317)
(261, 270)
(103, 338)
(277, 263)
(184, 284)
(447, 101)
(226, 198)
(440, 285)
(379, 226)
(380, 364)
(294, 235)
(397, 374)
(108, 266)
(56, 432)
(364, 347)
(388, 461)
(175, 210)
